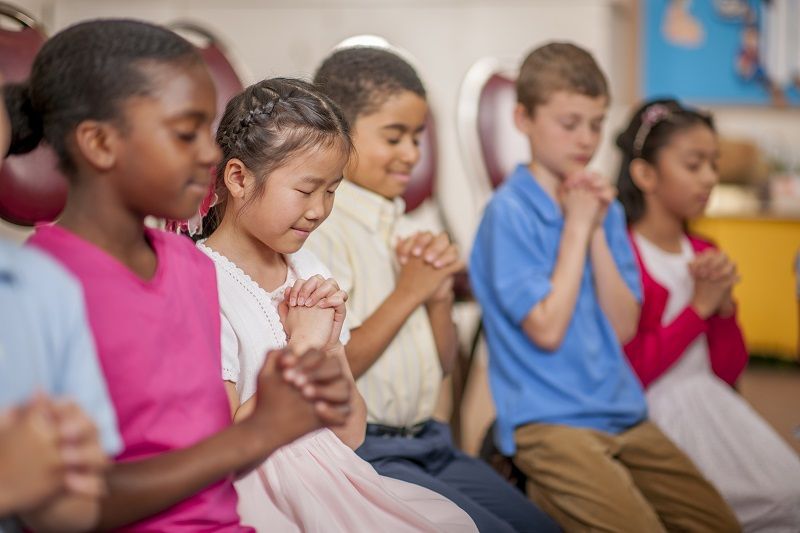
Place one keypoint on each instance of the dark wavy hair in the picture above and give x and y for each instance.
(86, 72)
(361, 78)
(644, 138)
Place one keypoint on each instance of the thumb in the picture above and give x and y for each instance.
(270, 364)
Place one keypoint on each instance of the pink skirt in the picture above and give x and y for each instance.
(318, 484)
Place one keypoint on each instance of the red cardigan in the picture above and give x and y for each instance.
(655, 348)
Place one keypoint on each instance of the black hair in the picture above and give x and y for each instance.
(360, 79)
(266, 124)
(85, 72)
(650, 129)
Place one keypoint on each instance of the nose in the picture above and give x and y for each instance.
(587, 136)
(409, 151)
(710, 175)
(210, 152)
(317, 207)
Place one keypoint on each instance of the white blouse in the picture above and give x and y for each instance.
(671, 271)
(251, 325)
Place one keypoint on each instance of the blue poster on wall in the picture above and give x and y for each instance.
(718, 52)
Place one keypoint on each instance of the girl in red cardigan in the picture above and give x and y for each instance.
(688, 351)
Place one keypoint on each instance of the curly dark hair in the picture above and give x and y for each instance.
(266, 124)
(85, 72)
(360, 79)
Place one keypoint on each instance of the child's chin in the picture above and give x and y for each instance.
(289, 247)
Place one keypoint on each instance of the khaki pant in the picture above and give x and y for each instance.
(637, 481)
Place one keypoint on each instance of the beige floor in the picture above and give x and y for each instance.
(773, 392)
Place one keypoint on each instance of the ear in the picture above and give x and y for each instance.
(522, 118)
(237, 177)
(643, 175)
(98, 143)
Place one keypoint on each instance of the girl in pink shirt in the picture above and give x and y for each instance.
(688, 351)
(127, 106)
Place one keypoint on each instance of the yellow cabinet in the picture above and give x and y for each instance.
(764, 250)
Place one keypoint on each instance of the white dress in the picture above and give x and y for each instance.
(756, 472)
(316, 483)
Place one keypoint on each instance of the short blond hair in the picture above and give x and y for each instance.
(558, 67)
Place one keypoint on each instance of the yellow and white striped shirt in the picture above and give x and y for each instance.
(357, 244)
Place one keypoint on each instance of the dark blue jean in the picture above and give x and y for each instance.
(429, 459)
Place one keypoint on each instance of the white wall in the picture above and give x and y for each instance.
(288, 37)
(445, 36)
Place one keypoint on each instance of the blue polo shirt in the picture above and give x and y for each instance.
(586, 382)
(45, 341)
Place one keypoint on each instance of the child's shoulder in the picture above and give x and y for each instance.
(181, 249)
(38, 272)
(700, 242)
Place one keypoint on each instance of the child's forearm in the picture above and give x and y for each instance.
(352, 433)
(63, 514)
(616, 299)
(440, 315)
(546, 324)
(139, 489)
(370, 339)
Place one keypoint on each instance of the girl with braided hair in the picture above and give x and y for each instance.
(284, 149)
(688, 350)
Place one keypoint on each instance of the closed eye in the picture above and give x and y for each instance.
(187, 137)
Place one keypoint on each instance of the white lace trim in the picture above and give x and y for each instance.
(267, 301)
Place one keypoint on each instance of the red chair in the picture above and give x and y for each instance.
(490, 143)
(228, 84)
(420, 188)
(31, 188)
(219, 61)
(491, 146)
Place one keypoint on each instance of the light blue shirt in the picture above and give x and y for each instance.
(587, 381)
(45, 341)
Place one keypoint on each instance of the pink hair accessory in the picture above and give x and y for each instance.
(194, 225)
(650, 117)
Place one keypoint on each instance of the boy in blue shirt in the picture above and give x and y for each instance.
(556, 277)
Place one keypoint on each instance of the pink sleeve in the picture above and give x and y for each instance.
(655, 348)
(726, 348)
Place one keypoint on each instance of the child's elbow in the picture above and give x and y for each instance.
(355, 441)
(353, 437)
(547, 339)
(627, 334)
(630, 326)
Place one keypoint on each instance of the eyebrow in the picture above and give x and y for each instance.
(702, 154)
(191, 114)
(314, 180)
(402, 128)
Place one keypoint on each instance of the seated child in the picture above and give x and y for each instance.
(688, 350)
(52, 455)
(554, 272)
(284, 147)
(127, 106)
(403, 339)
